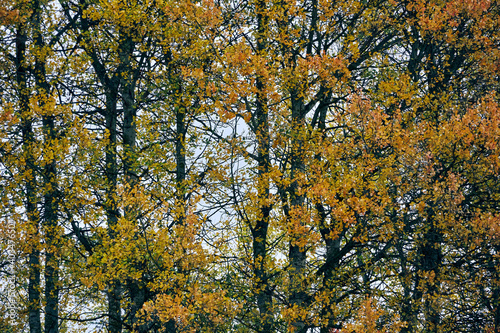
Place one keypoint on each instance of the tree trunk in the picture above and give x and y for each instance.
(430, 262)
(50, 204)
(260, 229)
(297, 253)
(114, 288)
(136, 289)
(34, 321)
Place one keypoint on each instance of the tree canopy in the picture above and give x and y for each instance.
(249, 166)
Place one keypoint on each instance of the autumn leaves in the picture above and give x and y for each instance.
(250, 166)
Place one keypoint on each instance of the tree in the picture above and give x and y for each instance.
(252, 166)
(443, 83)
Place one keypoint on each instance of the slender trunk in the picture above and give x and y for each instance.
(137, 290)
(430, 262)
(50, 204)
(180, 179)
(34, 290)
(494, 305)
(114, 288)
(51, 240)
(332, 245)
(297, 252)
(260, 230)
(495, 301)
(180, 156)
(127, 89)
(332, 266)
(34, 321)
(409, 308)
(427, 281)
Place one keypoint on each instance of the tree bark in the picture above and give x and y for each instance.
(34, 321)
(260, 229)
(114, 288)
(50, 205)
(297, 253)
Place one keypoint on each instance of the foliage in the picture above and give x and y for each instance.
(249, 166)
